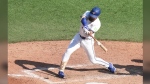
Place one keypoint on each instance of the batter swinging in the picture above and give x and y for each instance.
(90, 24)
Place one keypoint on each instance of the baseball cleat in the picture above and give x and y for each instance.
(61, 74)
(111, 68)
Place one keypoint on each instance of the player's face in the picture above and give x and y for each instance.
(92, 19)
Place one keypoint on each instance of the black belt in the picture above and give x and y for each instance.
(82, 37)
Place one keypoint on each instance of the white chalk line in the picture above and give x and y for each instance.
(75, 66)
(29, 72)
(18, 75)
(68, 81)
(32, 75)
(95, 83)
(98, 77)
(51, 68)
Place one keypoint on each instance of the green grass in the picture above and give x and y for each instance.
(42, 20)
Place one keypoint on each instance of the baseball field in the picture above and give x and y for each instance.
(39, 32)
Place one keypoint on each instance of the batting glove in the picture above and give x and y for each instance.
(86, 31)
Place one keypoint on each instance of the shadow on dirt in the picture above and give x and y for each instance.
(26, 64)
(132, 69)
(38, 65)
(137, 60)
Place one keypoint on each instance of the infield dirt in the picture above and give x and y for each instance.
(38, 63)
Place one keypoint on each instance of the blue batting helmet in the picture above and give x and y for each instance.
(95, 12)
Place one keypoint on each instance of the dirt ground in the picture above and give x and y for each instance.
(38, 63)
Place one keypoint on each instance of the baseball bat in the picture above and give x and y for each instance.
(100, 44)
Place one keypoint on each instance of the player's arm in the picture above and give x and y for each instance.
(84, 20)
(84, 23)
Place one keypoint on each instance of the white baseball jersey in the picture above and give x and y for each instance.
(87, 43)
(82, 39)
(94, 26)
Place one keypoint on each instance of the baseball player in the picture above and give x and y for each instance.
(90, 24)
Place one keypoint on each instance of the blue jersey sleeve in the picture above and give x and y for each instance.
(84, 19)
(84, 22)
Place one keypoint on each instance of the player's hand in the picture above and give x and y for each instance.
(91, 32)
(86, 30)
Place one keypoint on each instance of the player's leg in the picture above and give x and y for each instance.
(88, 45)
(74, 45)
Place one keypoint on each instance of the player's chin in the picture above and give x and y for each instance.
(92, 19)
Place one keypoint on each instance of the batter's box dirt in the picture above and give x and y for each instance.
(29, 62)
(122, 72)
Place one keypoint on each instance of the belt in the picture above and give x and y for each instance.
(82, 37)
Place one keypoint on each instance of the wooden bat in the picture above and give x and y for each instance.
(100, 44)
